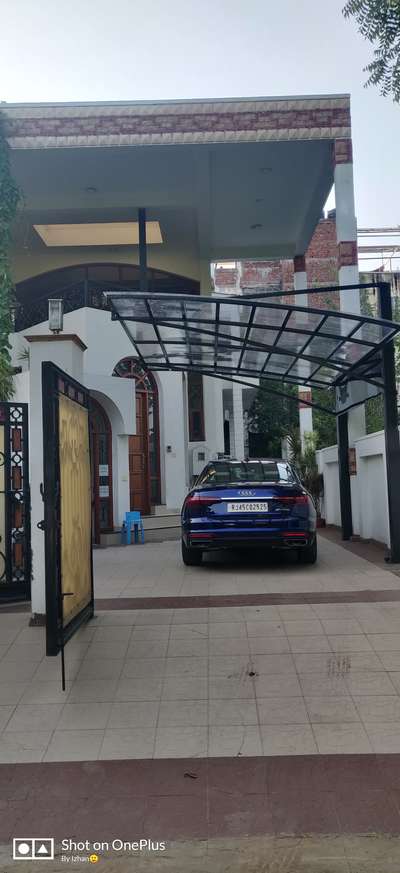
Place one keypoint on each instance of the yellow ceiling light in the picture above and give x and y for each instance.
(107, 233)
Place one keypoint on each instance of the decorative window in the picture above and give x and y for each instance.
(196, 407)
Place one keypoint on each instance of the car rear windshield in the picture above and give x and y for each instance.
(229, 472)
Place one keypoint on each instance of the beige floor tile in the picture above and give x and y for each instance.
(74, 745)
(261, 613)
(8, 634)
(349, 643)
(340, 627)
(175, 713)
(107, 650)
(92, 689)
(184, 688)
(389, 660)
(116, 618)
(265, 628)
(143, 668)
(186, 666)
(137, 713)
(45, 692)
(282, 710)
(155, 616)
(181, 742)
(198, 631)
(111, 634)
(50, 669)
(296, 612)
(226, 665)
(307, 627)
(25, 652)
(6, 712)
(232, 712)
(192, 648)
(22, 747)
(11, 692)
(369, 683)
(268, 645)
(384, 736)
(228, 688)
(278, 663)
(128, 743)
(378, 708)
(277, 685)
(150, 632)
(139, 689)
(288, 739)
(228, 630)
(323, 685)
(191, 615)
(18, 671)
(234, 741)
(341, 738)
(147, 649)
(221, 647)
(35, 717)
(307, 644)
(84, 716)
(331, 709)
(385, 642)
(102, 668)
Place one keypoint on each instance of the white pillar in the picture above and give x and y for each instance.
(305, 412)
(346, 233)
(238, 424)
(67, 352)
(173, 447)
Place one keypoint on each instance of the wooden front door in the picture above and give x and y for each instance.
(139, 461)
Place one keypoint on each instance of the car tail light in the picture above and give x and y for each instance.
(196, 501)
(299, 499)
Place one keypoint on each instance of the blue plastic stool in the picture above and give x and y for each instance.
(134, 520)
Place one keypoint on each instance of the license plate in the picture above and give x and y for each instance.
(248, 507)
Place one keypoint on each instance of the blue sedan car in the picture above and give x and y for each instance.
(250, 504)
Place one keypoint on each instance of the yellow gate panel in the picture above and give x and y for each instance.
(75, 507)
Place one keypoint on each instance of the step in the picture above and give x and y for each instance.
(161, 509)
(157, 522)
(155, 535)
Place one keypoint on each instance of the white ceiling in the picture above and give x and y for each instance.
(214, 194)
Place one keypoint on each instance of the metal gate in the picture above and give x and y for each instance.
(15, 534)
(67, 506)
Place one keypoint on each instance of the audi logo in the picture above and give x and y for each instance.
(247, 493)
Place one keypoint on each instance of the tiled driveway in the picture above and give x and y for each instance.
(231, 701)
(211, 681)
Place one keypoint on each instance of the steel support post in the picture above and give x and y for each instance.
(142, 250)
(344, 476)
(392, 441)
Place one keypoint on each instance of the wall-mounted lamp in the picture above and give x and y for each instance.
(56, 313)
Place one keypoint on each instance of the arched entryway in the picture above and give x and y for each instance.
(102, 494)
(144, 447)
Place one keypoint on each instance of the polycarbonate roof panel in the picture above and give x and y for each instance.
(251, 337)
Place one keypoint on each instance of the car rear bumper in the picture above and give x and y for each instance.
(231, 539)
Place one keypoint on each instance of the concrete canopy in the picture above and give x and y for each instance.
(235, 179)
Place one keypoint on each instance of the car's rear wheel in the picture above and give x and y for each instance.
(308, 554)
(191, 557)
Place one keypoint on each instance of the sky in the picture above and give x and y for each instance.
(167, 49)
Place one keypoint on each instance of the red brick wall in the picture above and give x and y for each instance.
(321, 262)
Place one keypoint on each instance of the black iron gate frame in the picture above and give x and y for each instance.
(54, 383)
(15, 582)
